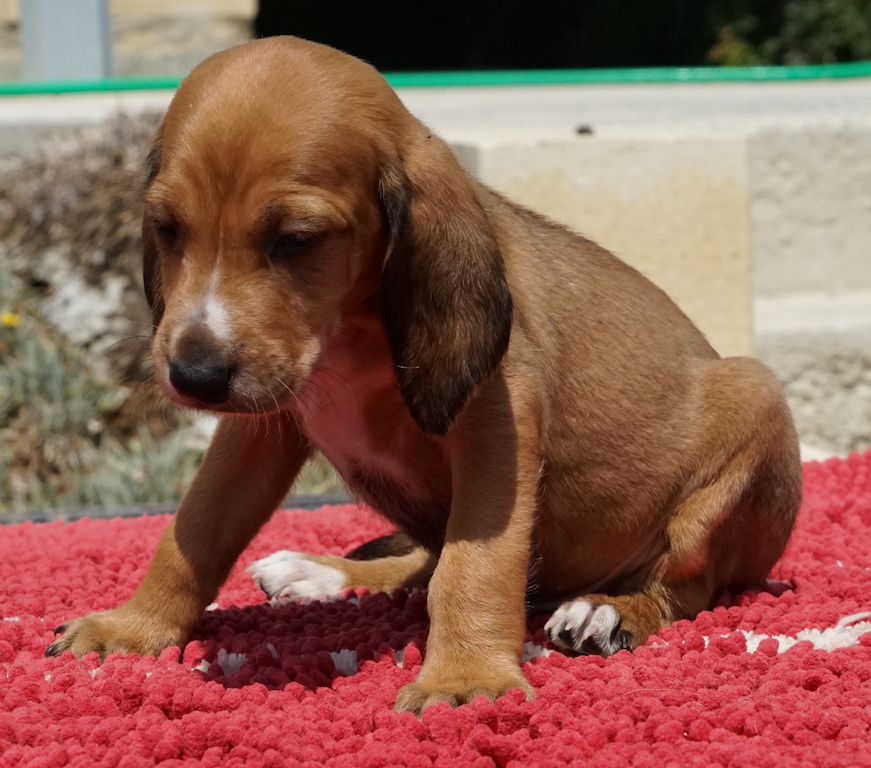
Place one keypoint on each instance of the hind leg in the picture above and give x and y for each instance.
(603, 624)
(391, 562)
(728, 528)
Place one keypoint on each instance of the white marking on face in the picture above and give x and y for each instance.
(216, 317)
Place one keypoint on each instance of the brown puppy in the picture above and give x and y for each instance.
(533, 414)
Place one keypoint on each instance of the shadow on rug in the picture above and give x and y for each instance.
(770, 679)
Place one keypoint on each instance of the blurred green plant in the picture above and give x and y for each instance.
(149, 470)
(792, 32)
(318, 478)
(144, 470)
(55, 449)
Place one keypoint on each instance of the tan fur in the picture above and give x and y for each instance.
(531, 411)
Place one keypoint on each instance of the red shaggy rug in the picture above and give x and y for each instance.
(762, 680)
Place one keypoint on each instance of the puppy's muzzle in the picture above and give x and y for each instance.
(200, 370)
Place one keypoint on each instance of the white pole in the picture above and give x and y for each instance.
(66, 39)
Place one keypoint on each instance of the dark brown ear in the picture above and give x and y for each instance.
(445, 301)
(150, 255)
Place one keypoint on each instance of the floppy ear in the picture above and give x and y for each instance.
(445, 301)
(150, 255)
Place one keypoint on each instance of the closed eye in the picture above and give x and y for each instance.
(166, 227)
(291, 244)
(168, 232)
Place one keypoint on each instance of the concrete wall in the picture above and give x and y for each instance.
(810, 191)
(675, 210)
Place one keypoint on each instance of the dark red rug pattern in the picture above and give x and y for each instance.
(762, 680)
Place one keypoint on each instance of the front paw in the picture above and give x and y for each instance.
(115, 631)
(285, 576)
(433, 689)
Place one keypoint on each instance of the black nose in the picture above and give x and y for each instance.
(206, 380)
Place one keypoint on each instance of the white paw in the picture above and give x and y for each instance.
(582, 626)
(287, 575)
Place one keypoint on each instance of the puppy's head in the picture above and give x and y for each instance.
(288, 191)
